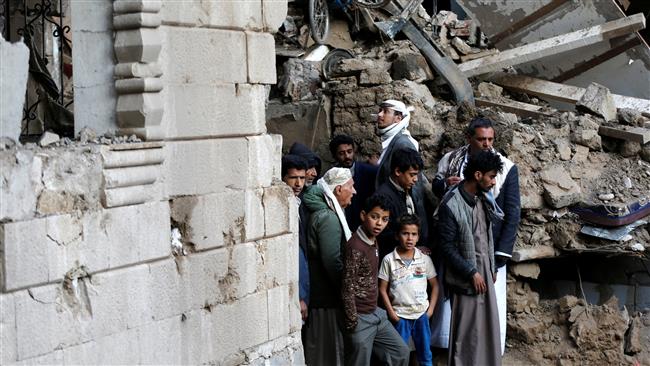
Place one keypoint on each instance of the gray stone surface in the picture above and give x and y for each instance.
(13, 75)
(598, 100)
(559, 189)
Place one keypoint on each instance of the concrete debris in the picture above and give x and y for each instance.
(48, 138)
(598, 100)
(527, 270)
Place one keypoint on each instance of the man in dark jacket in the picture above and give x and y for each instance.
(327, 233)
(480, 137)
(343, 151)
(313, 162)
(405, 196)
(392, 127)
(464, 226)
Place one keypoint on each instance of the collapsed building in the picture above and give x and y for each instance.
(578, 129)
(141, 215)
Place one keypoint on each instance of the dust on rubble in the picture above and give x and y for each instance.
(568, 331)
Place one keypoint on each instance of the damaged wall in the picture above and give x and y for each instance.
(89, 273)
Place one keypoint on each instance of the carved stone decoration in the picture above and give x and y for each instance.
(138, 42)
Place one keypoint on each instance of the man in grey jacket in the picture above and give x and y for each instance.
(465, 218)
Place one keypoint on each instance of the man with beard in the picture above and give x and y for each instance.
(343, 151)
(464, 226)
(392, 127)
(480, 137)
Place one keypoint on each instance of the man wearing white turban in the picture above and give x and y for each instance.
(328, 231)
(392, 127)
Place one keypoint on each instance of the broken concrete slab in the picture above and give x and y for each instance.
(489, 90)
(560, 190)
(598, 100)
(554, 45)
(13, 73)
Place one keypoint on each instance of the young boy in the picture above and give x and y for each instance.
(408, 271)
(366, 328)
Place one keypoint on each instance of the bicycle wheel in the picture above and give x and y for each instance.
(319, 20)
(371, 3)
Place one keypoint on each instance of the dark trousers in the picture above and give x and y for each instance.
(374, 335)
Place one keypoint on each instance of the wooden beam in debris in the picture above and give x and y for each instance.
(561, 92)
(527, 20)
(635, 134)
(513, 106)
(553, 46)
(537, 252)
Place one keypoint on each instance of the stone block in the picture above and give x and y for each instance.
(247, 316)
(137, 6)
(214, 110)
(138, 85)
(15, 64)
(214, 14)
(8, 344)
(46, 321)
(44, 250)
(559, 189)
(598, 100)
(219, 59)
(254, 215)
(264, 163)
(119, 300)
(136, 20)
(205, 278)
(138, 45)
(131, 195)
(244, 268)
(274, 12)
(563, 148)
(277, 203)
(206, 166)
(121, 348)
(161, 342)
(53, 358)
(278, 301)
(279, 260)
(260, 49)
(21, 173)
(139, 110)
(210, 221)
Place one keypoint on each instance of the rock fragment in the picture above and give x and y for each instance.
(598, 100)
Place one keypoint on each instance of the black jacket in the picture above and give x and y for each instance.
(397, 202)
(364, 183)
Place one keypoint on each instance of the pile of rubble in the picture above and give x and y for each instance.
(596, 157)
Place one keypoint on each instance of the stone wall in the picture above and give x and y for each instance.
(89, 272)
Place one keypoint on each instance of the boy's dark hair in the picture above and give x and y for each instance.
(403, 159)
(293, 162)
(340, 140)
(376, 200)
(407, 219)
(478, 122)
(483, 162)
(388, 105)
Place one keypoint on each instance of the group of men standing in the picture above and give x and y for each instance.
(469, 235)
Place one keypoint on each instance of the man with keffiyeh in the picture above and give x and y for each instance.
(392, 127)
(328, 231)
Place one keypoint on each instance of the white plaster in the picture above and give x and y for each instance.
(14, 64)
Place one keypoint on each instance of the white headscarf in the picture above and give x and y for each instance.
(336, 177)
(388, 133)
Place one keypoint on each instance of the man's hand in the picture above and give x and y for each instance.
(479, 283)
(303, 310)
(452, 181)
